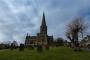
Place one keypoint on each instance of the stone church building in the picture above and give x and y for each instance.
(42, 38)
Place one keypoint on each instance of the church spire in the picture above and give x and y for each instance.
(43, 20)
(43, 28)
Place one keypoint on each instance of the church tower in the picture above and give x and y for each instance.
(43, 27)
(42, 37)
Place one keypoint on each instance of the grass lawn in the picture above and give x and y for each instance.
(60, 53)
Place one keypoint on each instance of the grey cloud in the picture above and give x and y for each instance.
(17, 17)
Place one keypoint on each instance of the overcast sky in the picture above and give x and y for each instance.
(19, 17)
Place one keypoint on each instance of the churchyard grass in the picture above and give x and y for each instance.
(57, 53)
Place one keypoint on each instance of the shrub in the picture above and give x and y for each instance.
(88, 46)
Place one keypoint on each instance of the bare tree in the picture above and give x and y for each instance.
(75, 28)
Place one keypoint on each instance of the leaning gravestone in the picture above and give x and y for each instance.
(21, 48)
(30, 47)
(39, 48)
(47, 47)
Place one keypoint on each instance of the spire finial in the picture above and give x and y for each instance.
(27, 34)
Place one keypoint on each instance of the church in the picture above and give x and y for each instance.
(41, 38)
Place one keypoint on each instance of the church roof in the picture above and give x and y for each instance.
(50, 37)
(32, 37)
